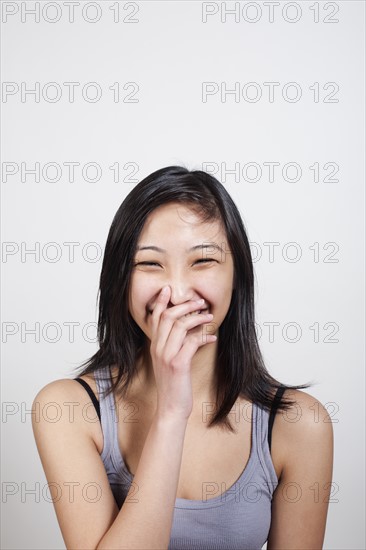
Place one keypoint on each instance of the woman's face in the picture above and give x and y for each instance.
(205, 272)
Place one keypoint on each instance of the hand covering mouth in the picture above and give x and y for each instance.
(196, 312)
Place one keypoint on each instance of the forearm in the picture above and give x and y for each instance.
(147, 523)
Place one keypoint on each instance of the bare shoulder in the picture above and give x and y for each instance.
(63, 388)
(304, 439)
(66, 402)
(306, 423)
(306, 409)
(56, 389)
(62, 430)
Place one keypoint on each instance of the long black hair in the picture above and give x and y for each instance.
(240, 369)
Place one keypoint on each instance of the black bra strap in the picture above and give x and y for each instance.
(276, 402)
(91, 394)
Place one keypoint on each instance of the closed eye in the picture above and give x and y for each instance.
(155, 263)
(146, 263)
(206, 260)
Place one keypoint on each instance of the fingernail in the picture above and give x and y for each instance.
(165, 290)
(200, 301)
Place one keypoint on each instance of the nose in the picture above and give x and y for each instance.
(180, 294)
(181, 291)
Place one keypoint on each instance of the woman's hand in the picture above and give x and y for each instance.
(172, 350)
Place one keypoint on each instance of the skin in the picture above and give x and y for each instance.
(302, 448)
(302, 451)
(202, 273)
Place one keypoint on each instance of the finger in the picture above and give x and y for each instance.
(161, 305)
(196, 326)
(187, 307)
(176, 313)
(190, 347)
(164, 319)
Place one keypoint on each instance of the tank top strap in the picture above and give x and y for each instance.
(107, 410)
(262, 448)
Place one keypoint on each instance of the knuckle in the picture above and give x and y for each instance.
(175, 364)
(165, 314)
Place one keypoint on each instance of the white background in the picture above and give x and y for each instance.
(170, 52)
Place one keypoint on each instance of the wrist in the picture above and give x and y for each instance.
(170, 420)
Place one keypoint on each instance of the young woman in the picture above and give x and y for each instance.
(183, 451)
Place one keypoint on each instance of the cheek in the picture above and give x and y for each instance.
(140, 295)
(220, 289)
(133, 298)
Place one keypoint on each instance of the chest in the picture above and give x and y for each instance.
(210, 455)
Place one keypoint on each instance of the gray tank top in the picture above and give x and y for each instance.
(237, 519)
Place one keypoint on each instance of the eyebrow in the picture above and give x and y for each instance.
(198, 246)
